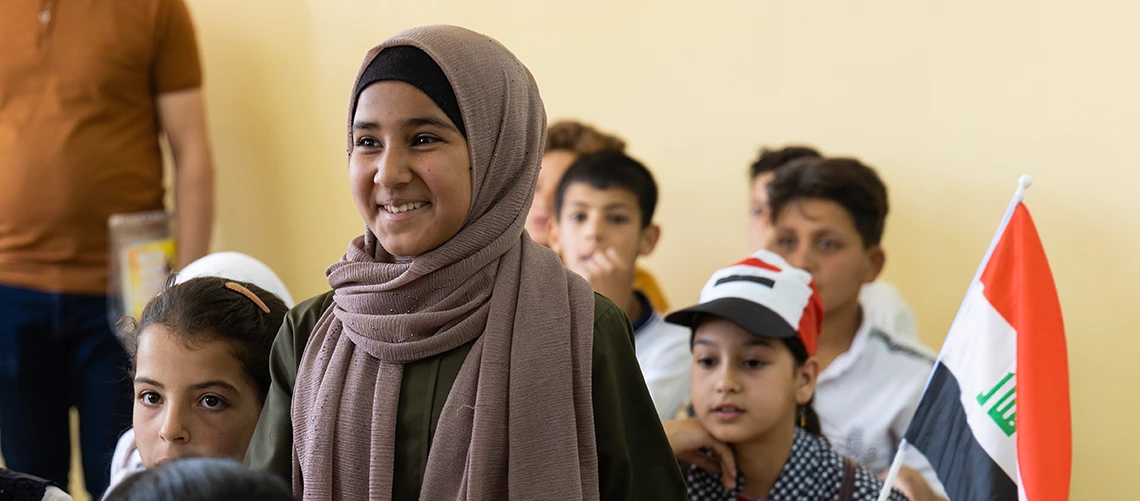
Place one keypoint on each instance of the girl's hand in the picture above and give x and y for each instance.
(912, 485)
(687, 437)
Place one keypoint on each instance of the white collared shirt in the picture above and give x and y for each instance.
(886, 309)
(666, 362)
(867, 396)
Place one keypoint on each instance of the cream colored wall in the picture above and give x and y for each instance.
(951, 101)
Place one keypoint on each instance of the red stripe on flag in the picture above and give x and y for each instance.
(1020, 286)
(759, 264)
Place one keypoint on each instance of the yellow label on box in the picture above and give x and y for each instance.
(148, 265)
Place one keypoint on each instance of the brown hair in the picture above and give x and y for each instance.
(205, 309)
(580, 139)
(845, 181)
(770, 160)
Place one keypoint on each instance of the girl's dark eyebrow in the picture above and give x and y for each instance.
(411, 122)
(200, 386)
(143, 380)
(215, 384)
(429, 120)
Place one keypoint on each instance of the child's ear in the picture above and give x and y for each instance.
(876, 259)
(806, 377)
(552, 240)
(649, 237)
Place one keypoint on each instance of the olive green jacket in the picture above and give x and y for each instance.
(634, 458)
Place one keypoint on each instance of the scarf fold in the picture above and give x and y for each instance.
(518, 422)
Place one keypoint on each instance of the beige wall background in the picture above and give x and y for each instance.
(950, 101)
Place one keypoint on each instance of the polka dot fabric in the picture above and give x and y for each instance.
(814, 472)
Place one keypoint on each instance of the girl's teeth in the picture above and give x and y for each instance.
(396, 209)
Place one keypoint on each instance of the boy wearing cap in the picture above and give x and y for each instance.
(604, 206)
(828, 216)
(754, 334)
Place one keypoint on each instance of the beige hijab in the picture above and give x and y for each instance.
(518, 423)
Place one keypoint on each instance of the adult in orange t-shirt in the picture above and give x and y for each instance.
(87, 88)
(565, 142)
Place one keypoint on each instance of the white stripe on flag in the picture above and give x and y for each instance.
(981, 350)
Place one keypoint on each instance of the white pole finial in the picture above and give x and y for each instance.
(1023, 183)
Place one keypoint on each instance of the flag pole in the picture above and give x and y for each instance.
(1023, 183)
(885, 492)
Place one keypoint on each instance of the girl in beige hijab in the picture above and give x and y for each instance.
(455, 358)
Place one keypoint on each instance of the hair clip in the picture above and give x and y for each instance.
(240, 289)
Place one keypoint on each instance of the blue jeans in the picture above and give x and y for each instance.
(58, 351)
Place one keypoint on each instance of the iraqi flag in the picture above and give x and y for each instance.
(994, 420)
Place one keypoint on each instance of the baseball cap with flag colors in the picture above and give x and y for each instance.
(763, 295)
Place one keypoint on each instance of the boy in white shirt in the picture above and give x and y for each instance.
(882, 303)
(604, 207)
(828, 216)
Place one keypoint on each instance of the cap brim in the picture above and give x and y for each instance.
(755, 318)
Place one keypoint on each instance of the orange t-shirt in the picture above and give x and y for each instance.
(79, 131)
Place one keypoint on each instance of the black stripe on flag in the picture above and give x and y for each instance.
(940, 430)
(747, 278)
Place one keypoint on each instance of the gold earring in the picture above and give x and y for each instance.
(803, 418)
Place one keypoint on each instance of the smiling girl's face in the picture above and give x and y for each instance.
(191, 400)
(409, 167)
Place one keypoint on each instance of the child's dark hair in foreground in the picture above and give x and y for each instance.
(201, 479)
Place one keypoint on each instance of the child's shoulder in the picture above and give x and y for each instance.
(610, 322)
(884, 305)
(661, 335)
(303, 317)
(316, 304)
(888, 370)
(900, 353)
(606, 310)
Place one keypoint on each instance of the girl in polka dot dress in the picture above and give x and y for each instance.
(755, 435)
